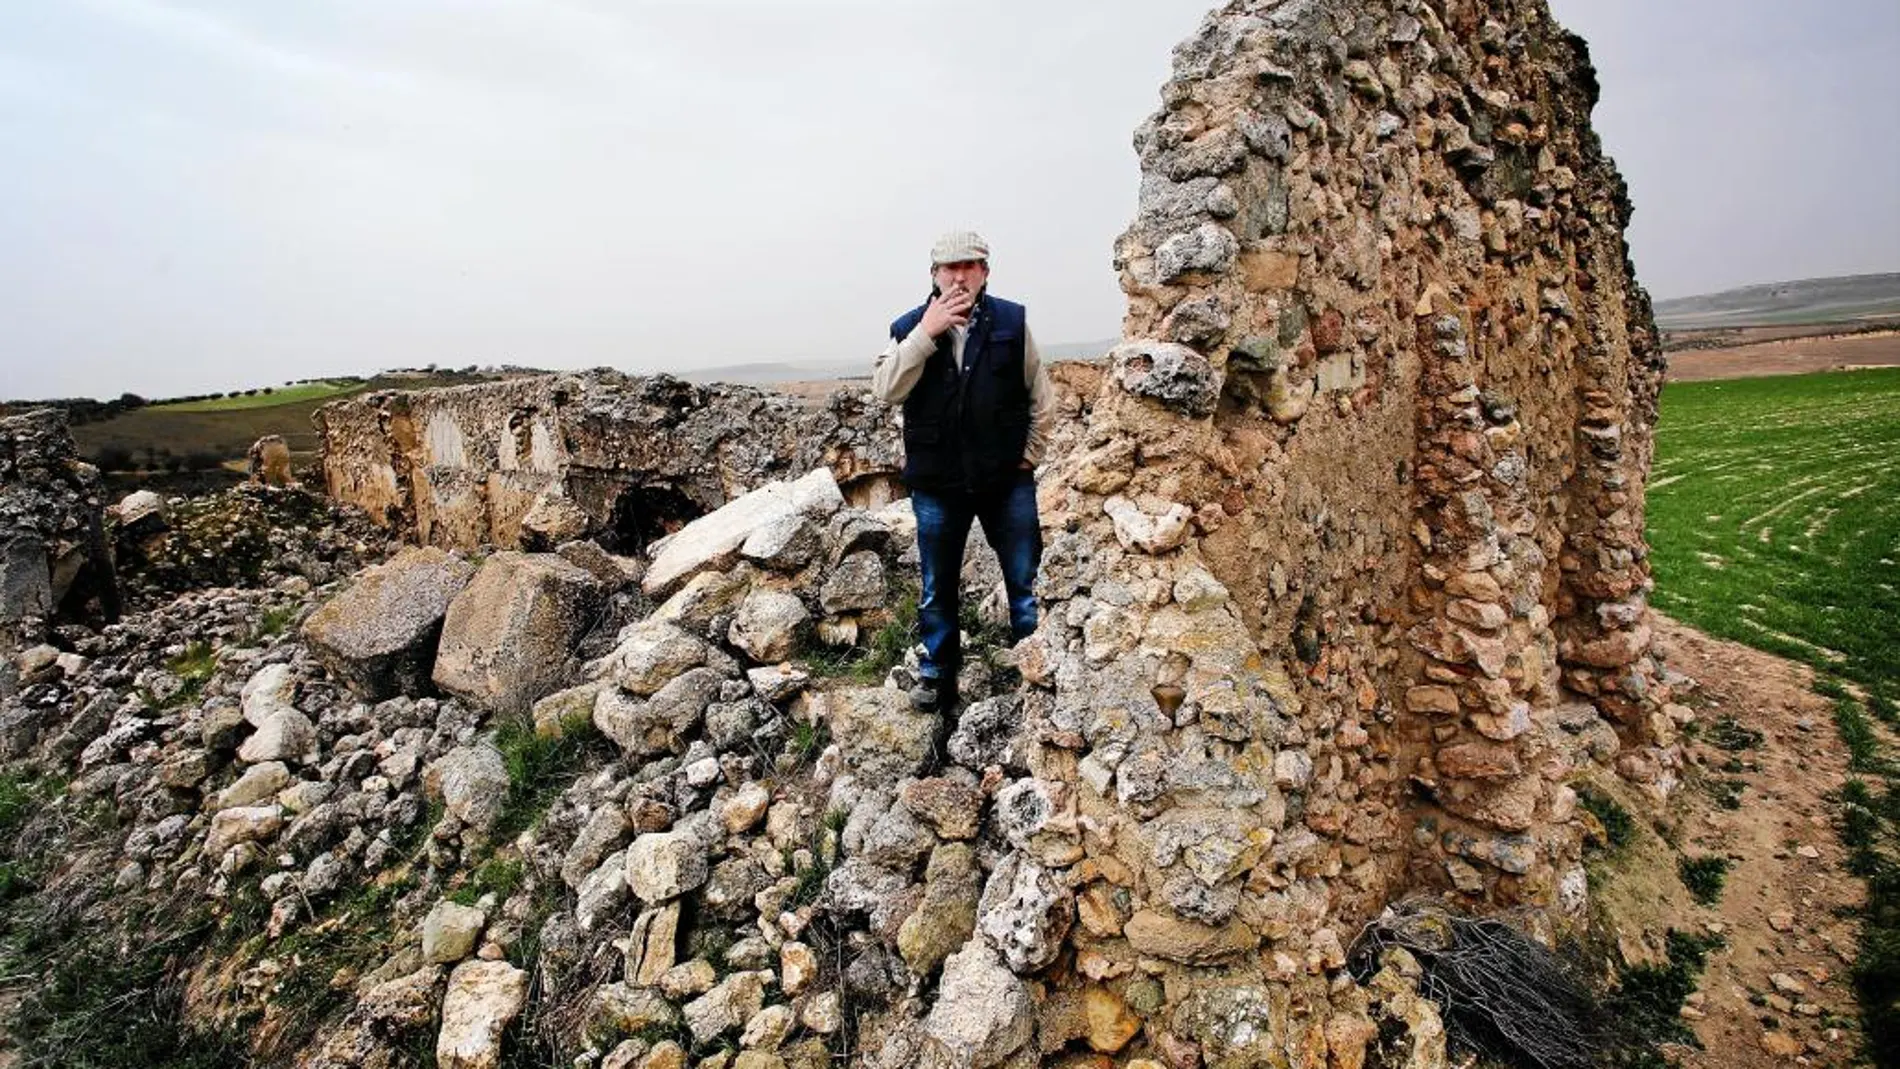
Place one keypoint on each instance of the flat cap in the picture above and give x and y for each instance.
(958, 246)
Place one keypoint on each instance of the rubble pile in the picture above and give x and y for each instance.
(247, 536)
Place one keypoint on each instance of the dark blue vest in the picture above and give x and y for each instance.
(965, 429)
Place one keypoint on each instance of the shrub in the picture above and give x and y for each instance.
(1704, 877)
(1619, 828)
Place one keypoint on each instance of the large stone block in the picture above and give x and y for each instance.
(508, 639)
(379, 636)
(714, 541)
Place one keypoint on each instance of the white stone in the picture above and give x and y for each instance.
(271, 688)
(983, 1012)
(778, 682)
(714, 540)
(1136, 529)
(767, 624)
(285, 735)
(242, 824)
(483, 998)
(665, 865)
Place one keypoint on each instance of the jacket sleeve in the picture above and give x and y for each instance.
(900, 365)
(1042, 401)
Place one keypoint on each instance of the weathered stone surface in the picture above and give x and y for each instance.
(1159, 935)
(462, 467)
(379, 635)
(727, 1007)
(242, 824)
(1174, 375)
(259, 782)
(664, 865)
(954, 810)
(660, 723)
(883, 738)
(743, 811)
(606, 830)
(785, 544)
(777, 682)
(767, 625)
(654, 652)
(472, 782)
(602, 892)
(1025, 913)
(983, 1012)
(449, 932)
(651, 946)
(946, 918)
(1136, 529)
(855, 585)
(483, 998)
(552, 520)
(561, 712)
(284, 735)
(508, 638)
(268, 462)
(624, 1009)
(798, 967)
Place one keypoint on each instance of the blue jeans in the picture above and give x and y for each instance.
(1014, 531)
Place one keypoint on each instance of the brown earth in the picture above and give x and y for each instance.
(1791, 356)
(1786, 907)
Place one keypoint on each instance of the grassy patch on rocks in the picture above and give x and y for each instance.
(541, 767)
(1619, 828)
(93, 995)
(891, 634)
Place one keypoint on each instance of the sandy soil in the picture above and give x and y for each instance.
(1785, 908)
(1794, 356)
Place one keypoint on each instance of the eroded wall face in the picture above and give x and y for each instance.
(1353, 584)
(490, 464)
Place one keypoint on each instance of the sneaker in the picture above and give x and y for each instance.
(925, 696)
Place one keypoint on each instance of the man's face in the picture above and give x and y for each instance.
(968, 275)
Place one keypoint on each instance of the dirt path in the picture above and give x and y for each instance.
(1779, 993)
(1795, 356)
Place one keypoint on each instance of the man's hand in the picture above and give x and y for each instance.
(946, 310)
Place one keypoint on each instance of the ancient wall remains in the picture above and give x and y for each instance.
(1352, 583)
(53, 557)
(594, 453)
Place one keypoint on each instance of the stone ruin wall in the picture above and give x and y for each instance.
(601, 453)
(54, 561)
(1353, 581)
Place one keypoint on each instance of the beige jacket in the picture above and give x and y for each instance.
(901, 364)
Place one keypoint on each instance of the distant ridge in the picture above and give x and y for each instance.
(1813, 300)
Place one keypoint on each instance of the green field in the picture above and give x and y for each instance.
(1774, 516)
(202, 435)
(301, 393)
(1774, 520)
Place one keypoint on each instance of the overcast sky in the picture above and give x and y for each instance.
(207, 194)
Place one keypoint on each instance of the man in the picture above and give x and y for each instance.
(977, 411)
